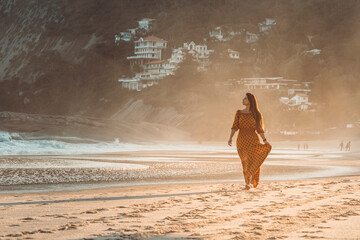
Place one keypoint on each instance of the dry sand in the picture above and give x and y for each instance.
(323, 208)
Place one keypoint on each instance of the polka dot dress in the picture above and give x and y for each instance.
(252, 153)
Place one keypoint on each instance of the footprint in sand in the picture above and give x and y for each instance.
(29, 232)
(68, 227)
(44, 231)
(273, 230)
(14, 235)
(14, 225)
(89, 212)
(311, 236)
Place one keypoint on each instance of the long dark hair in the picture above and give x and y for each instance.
(254, 109)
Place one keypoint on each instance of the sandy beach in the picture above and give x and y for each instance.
(327, 208)
(193, 194)
(191, 119)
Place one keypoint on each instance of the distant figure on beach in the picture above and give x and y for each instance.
(249, 121)
(341, 145)
(347, 147)
(299, 146)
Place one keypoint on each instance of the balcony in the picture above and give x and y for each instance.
(143, 57)
(137, 51)
(150, 46)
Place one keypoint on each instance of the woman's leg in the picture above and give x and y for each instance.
(245, 165)
(246, 176)
(247, 184)
(256, 178)
(248, 179)
(251, 179)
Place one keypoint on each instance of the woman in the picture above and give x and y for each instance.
(252, 153)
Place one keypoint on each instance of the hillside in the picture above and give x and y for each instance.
(59, 57)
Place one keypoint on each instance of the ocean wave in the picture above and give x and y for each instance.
(19, 144)
(22, 144)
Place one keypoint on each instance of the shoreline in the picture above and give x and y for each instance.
(164, 184)
(168, 165)
(79, 187)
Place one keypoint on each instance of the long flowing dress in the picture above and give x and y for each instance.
(252, 153)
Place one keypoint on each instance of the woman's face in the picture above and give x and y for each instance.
(246, 101)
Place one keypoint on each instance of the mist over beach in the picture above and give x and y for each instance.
(115, 118)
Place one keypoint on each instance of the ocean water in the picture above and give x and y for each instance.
(16, 144)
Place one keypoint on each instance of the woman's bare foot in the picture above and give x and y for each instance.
(251, 180)
(247, 183)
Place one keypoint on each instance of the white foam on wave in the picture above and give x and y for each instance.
(18, 144)
(14, 144)
(70, 164)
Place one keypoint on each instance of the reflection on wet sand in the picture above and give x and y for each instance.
(211, 164)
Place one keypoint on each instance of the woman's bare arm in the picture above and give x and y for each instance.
(264, 138)
(231, 136)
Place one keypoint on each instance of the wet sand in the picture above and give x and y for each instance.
(187, 164)
(310, 194)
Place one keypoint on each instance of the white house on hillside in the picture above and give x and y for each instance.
(139, 82)
(132, 30)
(296, 94)
(266, 25)
(148, 55)
(177, 56)
(225, 33)
(277, 83)
(131, 83)
(159, 69)
(126, 36)
(147, 49)
(198, 51)
(299, 101)
(146, 23)
(154, 67)
(299, 88)
(233, 54)
(217, 34)
(251, 37)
